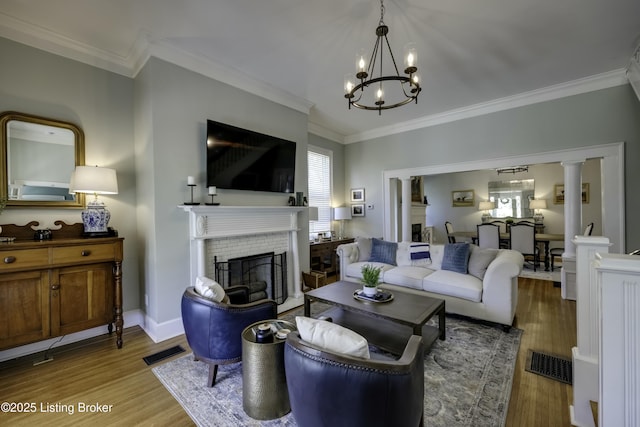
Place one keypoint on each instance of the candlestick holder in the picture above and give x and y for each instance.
(192, 202)
(212, 203)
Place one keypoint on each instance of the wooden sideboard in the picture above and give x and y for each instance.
(323, 255)
(56, 287)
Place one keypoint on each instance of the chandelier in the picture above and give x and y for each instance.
(405, 88)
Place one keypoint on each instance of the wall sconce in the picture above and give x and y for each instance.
(94, 180)
(486, 207)
(536, 205)
(340, 214)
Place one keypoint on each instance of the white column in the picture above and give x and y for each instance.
(585, 354)
(406, 209)
(572, 224)
(572, 204)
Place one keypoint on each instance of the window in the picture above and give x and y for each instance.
(320, 164)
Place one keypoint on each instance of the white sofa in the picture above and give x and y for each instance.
(490, 294)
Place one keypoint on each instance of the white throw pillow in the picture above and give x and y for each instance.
(331, 337)
(209, 289)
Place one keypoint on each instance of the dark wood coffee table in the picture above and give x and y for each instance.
(387, 325)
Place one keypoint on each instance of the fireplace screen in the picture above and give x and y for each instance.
(264, 274)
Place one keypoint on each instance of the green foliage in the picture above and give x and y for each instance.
(370, 275)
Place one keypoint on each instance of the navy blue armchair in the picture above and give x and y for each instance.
(213, 329)
(329, 389)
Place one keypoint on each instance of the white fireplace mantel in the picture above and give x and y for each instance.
(215, 222)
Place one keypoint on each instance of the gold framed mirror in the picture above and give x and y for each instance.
(37, 158)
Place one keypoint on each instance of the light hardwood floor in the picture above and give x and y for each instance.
(94, 371)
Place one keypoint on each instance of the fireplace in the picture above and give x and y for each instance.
(228, 232)
(416, 232)
(265, 274)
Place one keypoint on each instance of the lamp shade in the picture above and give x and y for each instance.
(486, 206)
(343, 212)
(313, 213)
(93, 179)
(538, 204)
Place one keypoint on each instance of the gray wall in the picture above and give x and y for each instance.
(172, 106)
(600, 117)
(101, 104)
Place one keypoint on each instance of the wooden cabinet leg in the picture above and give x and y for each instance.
(117, 278)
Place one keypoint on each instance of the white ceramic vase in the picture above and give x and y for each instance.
(370, 290)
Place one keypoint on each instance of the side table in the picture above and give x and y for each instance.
(264, 385)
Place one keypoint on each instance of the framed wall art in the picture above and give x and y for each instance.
(357, 210)
(461, 198)
(558, 193)
(357, 194)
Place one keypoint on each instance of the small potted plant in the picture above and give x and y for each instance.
(370, 279)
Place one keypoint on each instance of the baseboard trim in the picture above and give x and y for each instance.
(163, 331)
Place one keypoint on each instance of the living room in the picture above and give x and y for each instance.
(151, 128)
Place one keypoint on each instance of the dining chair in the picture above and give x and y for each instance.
(522, 238)
(557, 252)
(449, 227)
(488, 236)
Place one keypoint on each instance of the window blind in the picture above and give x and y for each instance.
(319, 164)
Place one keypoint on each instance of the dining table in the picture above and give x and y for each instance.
(544, 238)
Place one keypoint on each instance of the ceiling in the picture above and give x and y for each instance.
(473, 55)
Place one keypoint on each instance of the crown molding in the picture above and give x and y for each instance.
(143, 48)
(58, 44)
(562, 90)
(324, 132)
(232, 77)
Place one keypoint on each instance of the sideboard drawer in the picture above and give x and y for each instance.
(24, 258)
(84, 253)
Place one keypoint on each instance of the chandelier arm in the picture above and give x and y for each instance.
(392, 57)
(374, 55)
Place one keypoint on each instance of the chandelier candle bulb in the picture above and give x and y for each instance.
(361, 65)
(410, 58)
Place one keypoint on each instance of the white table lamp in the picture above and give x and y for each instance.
(536, 205)
(486, 207)
(341, 214)
(94, 180)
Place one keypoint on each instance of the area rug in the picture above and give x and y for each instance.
(553, 276)
(468, 380)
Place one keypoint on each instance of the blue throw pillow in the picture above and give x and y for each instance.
(456, 257)
(384, 252)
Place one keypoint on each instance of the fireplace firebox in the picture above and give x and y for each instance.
(265, 275)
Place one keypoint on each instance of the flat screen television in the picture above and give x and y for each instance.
(241, 159)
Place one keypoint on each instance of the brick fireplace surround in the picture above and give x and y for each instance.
(231, 231)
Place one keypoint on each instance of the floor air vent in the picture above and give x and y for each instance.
(555, 367)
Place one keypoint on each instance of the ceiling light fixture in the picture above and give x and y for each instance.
(513, 169)
(409, 86)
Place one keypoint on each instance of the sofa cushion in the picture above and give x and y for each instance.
(384, 252)
(456, 257)
(480, 259)
(408, 276)
(332, 337)
(437, 252)
(364, 248)
(355, 269)
(209, 288)
(454, 284)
